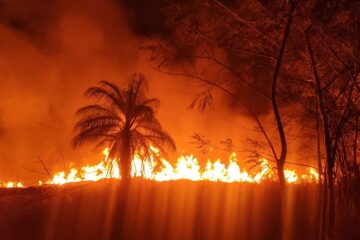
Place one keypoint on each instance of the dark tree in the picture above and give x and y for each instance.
(124, 120)
(299, 59)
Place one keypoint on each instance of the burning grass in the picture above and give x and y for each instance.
(187, 167)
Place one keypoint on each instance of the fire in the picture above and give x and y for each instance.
(105, 169)
(12, 185)
(186, 167)
(312, 176)
(291, 176)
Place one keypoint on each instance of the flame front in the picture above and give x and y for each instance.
(186, 167)
(105, 169)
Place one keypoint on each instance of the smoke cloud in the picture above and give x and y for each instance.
(51, 52)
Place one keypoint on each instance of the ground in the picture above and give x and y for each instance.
(152, 210)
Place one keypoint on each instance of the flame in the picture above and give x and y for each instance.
(312, 176)
(186, 167)
(12, 185)
(105, 169)
(291, 176)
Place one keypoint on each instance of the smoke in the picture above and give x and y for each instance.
(50, 52)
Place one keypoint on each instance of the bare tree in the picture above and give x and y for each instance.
(222, 48)
(337, 96)
(212, 30)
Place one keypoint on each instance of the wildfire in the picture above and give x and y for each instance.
(186, 167)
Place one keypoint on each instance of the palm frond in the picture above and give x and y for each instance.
(159, 137)
(113, 87)
(92, 134)
(106, 97)
(142, 113)
(137, 87)
(97, 121)
(152, 102)
(123, 120)
(94, 109)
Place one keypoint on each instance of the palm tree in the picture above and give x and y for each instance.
(124, 120)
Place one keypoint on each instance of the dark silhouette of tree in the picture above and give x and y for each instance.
(337, 97)
(235, 48)
(211, 34)
(124, 120)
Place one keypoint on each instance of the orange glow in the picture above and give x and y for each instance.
(186, 167)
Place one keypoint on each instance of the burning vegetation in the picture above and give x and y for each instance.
(275, 83)
(186, 168)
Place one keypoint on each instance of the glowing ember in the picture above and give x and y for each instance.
(186, 167)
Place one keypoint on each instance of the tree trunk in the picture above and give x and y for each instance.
(283, 199)
(125, 159)
(330, 181)
(328, 145)
(282, 158)
(320, 183)
(120, 210)
(324, 215)
(331, 224)
(355, 140)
